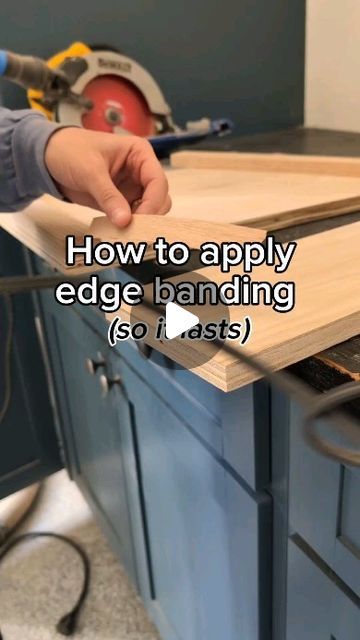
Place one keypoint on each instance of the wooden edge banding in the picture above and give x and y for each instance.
(14, 507)
(336, 365)
(191, 232)
(307, 214)
(273, 162)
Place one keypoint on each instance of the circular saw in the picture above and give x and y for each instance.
(101, 89)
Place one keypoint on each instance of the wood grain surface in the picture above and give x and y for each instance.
(326, 271)
(271, 191)
(191, 232)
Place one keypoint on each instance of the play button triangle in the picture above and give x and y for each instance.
(178, 320)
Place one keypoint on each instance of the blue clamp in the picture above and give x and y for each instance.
(164, 144)
(3, 62)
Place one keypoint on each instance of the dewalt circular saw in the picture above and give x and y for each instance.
(99, 88)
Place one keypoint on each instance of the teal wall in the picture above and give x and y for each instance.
(243, 59)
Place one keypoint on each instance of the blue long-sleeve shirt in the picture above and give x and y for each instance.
(23, 175)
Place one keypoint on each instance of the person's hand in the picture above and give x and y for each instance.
(118, 174)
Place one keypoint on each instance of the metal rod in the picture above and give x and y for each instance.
(22, 284)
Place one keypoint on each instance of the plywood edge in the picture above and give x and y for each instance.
(275, 162)
(335, 365)
(296, 349)
(306, 214)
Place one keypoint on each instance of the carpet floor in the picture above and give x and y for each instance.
(40, 580)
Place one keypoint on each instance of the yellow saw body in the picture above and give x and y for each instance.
(75, 49)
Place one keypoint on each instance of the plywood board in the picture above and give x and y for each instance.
(269, 199)
(326, 271)
(44, 225)
(273, 162)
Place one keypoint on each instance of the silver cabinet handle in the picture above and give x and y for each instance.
(93, 365)
(106, 384)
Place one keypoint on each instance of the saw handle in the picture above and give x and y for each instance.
(30, 72)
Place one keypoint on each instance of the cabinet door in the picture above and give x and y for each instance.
(208, 538)
(324, 499)
(317, 607)
(29, 447)
(90, 415)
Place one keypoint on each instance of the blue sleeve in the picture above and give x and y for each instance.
(23, 174)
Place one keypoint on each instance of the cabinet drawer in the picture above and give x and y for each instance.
(324, 499)
(318, 608)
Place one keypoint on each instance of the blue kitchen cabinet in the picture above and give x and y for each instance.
(200, 541)
(324, 504)
(221, 538)
(209, 538)
(316, 554)
(29, 444)
(318, 606)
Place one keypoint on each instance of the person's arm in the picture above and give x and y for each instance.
(23, 175)
(119, 175)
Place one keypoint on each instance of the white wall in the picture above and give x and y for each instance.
(332, 80)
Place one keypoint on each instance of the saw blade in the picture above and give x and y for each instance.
(125, 96)
(117, 103)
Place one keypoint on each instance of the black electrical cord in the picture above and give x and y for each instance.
(67, 625)
(326, 403)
